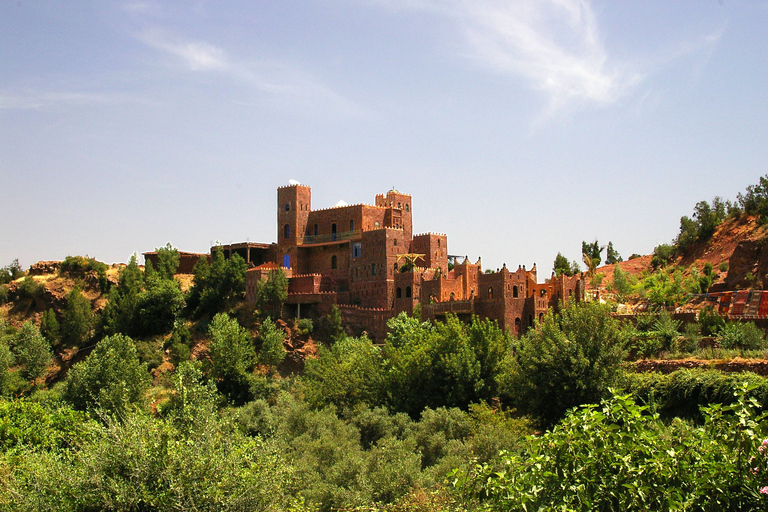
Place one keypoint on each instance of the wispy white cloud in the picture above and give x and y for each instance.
(43, 100)
(554, 45)
(278, 82)
(196, 55)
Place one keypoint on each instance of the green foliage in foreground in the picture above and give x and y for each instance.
(569, 359)
(620, 456)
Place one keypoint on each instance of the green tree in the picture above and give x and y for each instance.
(272, 352)
(622, 283)
(570, 359)
(158, 306)
(32, 351)
(78, 319)
(49, 327)
(563, 266)
(612, 256)
(11, 272)
(592, 255)
(6, 362)
(271, 294)
(217, 285)
(167, 261)
(346, 374)
(231, 357)
(110, 379)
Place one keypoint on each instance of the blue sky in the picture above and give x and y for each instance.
(520, 128)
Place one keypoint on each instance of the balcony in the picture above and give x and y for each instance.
(330, 238)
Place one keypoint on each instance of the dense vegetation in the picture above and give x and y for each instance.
(175, 401)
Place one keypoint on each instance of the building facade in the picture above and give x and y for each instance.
(366, 260)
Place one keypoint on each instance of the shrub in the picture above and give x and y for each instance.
(744, 336)
(111, 378)
(618, 456)
(78, 319)
(231, 357)
(49, 327)
(32, 350)
(272, 352)
(570, 359)
(709, 321)
(305, 326)
(29, 289)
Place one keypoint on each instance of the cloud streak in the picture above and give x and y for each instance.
(44, 100)
(554, 45)
(279, 83)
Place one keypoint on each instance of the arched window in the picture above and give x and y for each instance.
(394, 267)
(407, 292)
(394, 242)
(517, 326)
(399, 206)
(333, 232)
(333, 261)
(543, 293)
(373, 269)
(514, 291)
(407, 208)
(399, 293)
(438, 242)
(453, 295)
(287, 231)
(541, 317)
(490, 292)
(352, 225)
(287, 207)
(287, 261)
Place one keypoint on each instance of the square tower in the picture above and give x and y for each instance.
(294, 202)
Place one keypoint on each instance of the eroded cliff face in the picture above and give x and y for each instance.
(748, 265)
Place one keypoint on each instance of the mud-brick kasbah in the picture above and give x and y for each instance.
(366, 260)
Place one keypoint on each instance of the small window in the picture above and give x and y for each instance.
(377, 224)
(333, 261)
(317, 230)
(394, 242)
(352, 225)
(490, 292)
(399, 293)
(407, 292)
(399, 206)
(373, 269)
(287, 231)
(357, 249)
(407, 208)
(543, 293)
(333, 232)
(287, 207)
(438, 242)
(453, 295)
(514, 291)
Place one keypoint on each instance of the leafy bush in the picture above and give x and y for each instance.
(709, 321)
(231, 357)
(111, 378)
(683, 393)
(217, 285)
(346, 374)
(305, 326)
(50, 327)
(662, 254)
(29, 289)
(78, 319)
(26, 425)
(570, 359)
(272, 352)
(745, 336)
(618, 456)
(80, 265)
(32, 351)
(145, 463)
(11, 272)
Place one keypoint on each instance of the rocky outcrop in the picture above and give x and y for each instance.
(748, 266)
